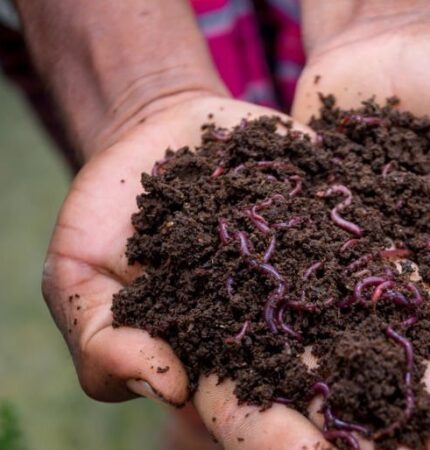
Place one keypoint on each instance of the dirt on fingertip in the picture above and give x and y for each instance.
(263, 244)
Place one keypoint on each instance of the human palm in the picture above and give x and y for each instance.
(382, 57)
(86, 265)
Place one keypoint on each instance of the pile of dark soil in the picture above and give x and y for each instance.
(259, 245)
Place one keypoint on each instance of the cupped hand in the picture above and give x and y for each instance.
(86, 265)
(361, 53)
(369, 53)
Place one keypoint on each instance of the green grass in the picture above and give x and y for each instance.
(36, 373)
(11, 437)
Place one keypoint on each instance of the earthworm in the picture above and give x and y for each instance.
(257, 219)
(229, 286)
(223, 231)
(363, 284)
(379, 290)
(274, 298)
(259, 224)
(269, 312)
(284, 327)
(418, 298)
(244, 243)
(282, 400)
(348, 244)
(271, 271)
(395, 253)
(238, 168)
(329, 302)
(396, 297)
(347, 302)
(360, 119)
(387, 168)
(218, 171)
(220, 135)
(298, 185)
(332, 435)
(242, 124)
(409, 322)
(334, 213)
(410, 397)
(158, 165)
(270, 249)
(239, 336)
(358, 263)
(330, 420)
(315, 266)
(293, 222)
(361, 273)
(301, 306)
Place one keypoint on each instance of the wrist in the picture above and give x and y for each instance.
(112, 64)
(144, 100)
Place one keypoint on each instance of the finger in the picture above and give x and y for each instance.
(246, 427)
(112, 364)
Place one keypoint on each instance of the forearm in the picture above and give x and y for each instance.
(111, 64)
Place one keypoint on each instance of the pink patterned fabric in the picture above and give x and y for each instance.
(256, 46)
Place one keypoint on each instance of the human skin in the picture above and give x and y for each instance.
(131, 79)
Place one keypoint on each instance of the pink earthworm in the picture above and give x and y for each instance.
(284, 327)
(293, 222)
(348, 244)
(239, 336)
(308, 272)
(334, 214)
(243, 242)
(275, 297)
(395, 253)
(224, 235)
(218, 171)
(410, 396)
(360, 119)
(298, 185)
(388, 168)
(270, 249)
(155, 172)
(379, 290)
(229, 286)
(350, 439)
(330, 421)
(282, 400)
(359, 263)
(365, 283)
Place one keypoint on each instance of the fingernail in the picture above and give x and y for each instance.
(142, 388)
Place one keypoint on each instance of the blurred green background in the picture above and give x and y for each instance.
(36, 374)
